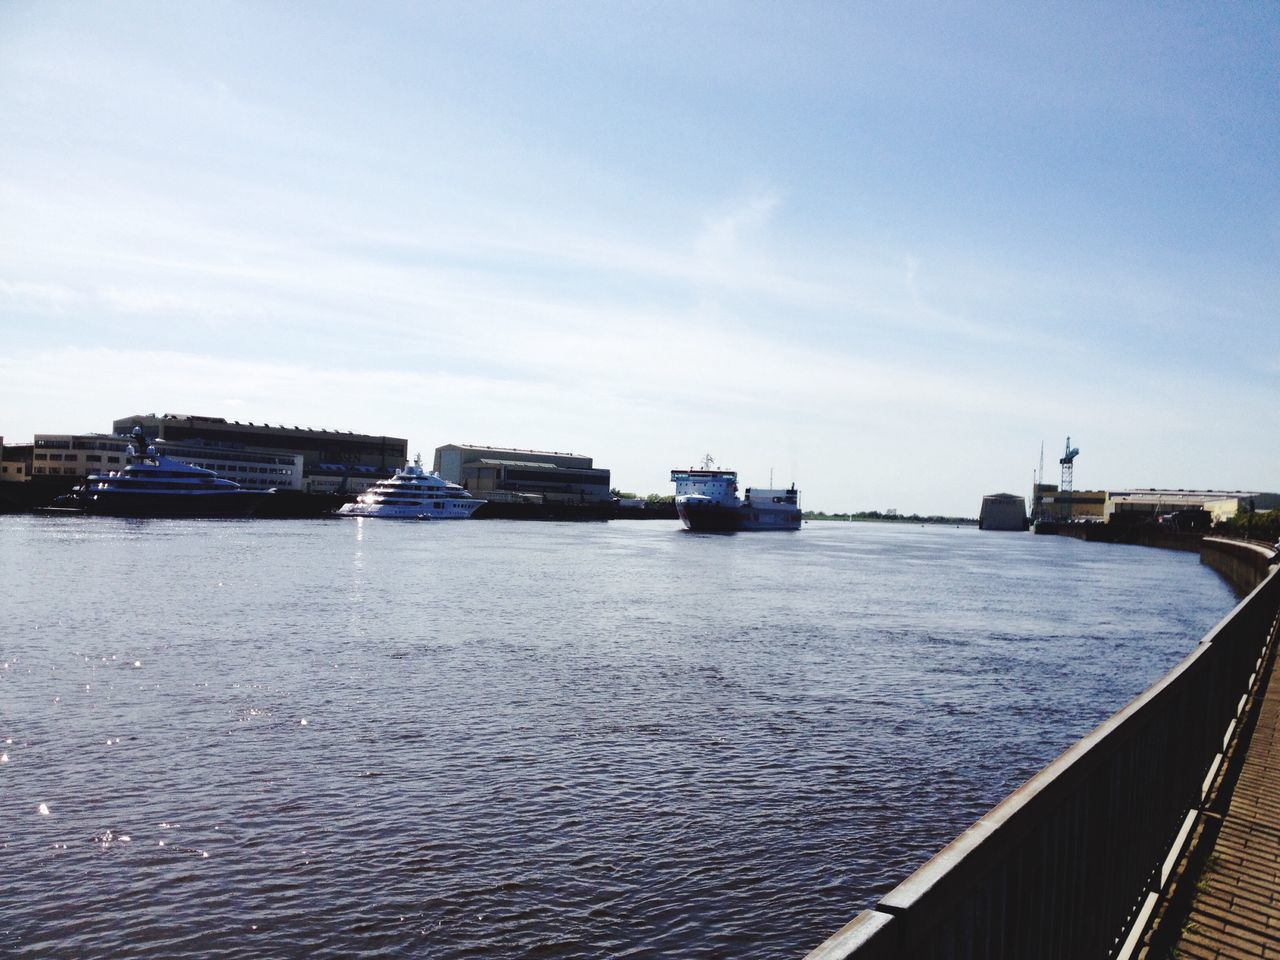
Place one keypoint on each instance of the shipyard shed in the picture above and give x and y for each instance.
(1052, 503)
(317, 446)
(1130, 506)
(508, 474)
(1003, 511)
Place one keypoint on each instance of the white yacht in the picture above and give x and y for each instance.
(413, 494)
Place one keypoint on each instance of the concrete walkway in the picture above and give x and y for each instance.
(1236, 912)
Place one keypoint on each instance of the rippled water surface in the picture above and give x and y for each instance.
(500, 739)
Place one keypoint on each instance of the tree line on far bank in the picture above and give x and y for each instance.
(1253, 525)
(875, 516)
(651, 498)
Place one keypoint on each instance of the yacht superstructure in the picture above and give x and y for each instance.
(159, 486)
(413, 494)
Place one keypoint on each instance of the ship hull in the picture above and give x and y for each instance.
(232, 504)
(432, 510)
(717, 518)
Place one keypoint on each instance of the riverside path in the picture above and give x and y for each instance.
(1236, 912)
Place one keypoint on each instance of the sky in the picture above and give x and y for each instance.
(885, 251)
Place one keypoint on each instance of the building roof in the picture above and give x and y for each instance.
(516, 463)
(1165, 492)
(1179, 497)
(222, 423)
(480, 446)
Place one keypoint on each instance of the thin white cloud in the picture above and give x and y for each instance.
(136, 380)
(722, 235)
(24, 294)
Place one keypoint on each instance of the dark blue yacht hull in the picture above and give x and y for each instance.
(232, 503)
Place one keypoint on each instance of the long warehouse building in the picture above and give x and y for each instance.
(316, 446)
(509, 474)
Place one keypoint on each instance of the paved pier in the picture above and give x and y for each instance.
(1236, 911)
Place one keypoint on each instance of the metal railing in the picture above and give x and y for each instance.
(1071, 864)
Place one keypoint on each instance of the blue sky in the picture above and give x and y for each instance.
(882, 250)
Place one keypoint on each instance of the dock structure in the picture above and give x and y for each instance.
(1003, 511)
(1099, 856)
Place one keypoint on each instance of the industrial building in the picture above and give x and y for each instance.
(512, 475)
(1065, 505)
(1003, 511)
(1071, 504)
(335, 479)
(15, 467)
(15, 461)
(316, 446)
(1138, 505)
(79, 455)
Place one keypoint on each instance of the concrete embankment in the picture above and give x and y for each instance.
(1242, 563)
(28, 495)
(498, 510)
(33, 495)
(1142, 535)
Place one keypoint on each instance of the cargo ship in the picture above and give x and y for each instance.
(707, 500)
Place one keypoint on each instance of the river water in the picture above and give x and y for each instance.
(504, 739)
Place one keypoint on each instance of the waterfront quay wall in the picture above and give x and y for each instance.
(1073, 864)
(1143, 535)
(32, 495)
(1242, 563)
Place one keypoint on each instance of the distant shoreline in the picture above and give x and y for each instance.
(874, 516)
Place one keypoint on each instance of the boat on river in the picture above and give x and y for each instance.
(157, 486)
(413, 494)
(707, 500)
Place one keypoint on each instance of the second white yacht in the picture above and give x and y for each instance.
(413, 494)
